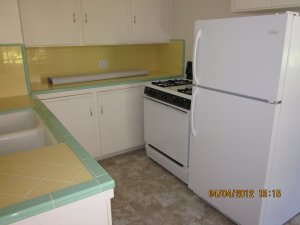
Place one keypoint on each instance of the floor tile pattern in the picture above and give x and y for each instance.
(147, 194)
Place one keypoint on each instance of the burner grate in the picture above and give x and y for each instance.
(171, 83)
(187, 91)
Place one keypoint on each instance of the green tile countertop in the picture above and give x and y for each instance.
(44, 88)
(96, 180)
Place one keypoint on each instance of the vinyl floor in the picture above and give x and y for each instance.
(147, 194)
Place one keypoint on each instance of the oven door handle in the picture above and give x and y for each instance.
(155, 100)
(194, 131)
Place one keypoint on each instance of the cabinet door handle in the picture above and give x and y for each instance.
(91, 111)
(74, 17)
(85, 16)
(134, 19)
(101, 109)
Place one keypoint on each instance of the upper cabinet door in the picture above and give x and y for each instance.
(105, 21)
(10, 31)
(94, 22)
(150, 21)
(51, 22)
(244, 5)
(285, 3)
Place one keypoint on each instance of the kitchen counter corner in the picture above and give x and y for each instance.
(92, 181)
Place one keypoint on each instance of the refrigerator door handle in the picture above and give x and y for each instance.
(241, 95)
(274, 102)
(198, 36)
(194, 131)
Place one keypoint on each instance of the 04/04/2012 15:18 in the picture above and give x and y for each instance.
(244, 193)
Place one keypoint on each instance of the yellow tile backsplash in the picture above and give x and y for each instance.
(170, 58)
(12, 75)
(13, 103)
(36, 172)
(80, 60)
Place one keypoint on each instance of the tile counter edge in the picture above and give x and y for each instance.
(101, 181)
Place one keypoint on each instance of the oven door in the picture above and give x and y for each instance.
(167, 129)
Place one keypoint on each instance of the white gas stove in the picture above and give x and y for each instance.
(166, 123)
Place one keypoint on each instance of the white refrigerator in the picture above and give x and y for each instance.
(245, 117)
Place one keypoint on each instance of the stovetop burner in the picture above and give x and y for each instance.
(187, 91)
(177, 92)
(172, 83)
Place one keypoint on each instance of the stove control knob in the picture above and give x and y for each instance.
(153, 92)
(175, 99)
(180, 102)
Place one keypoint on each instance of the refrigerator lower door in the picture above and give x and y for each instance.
(230, 151)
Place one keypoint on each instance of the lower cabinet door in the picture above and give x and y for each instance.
(76, 113)
(121, 119)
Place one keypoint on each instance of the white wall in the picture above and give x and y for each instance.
(186, 12)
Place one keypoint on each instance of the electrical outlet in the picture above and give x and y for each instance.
(103, 64)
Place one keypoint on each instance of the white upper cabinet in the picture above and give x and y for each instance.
(252, 5)
(51, 22)
(285, 3)
(105, 121)
(10, 31)
(105, 21)
(94, 22)
(240, 5)
(150, 21)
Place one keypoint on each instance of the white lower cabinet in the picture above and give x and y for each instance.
(77, 114)
(121, 119)
(105, 121)
(93, 210)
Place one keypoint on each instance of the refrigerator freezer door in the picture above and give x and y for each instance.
(230, 151)
(244, 55)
